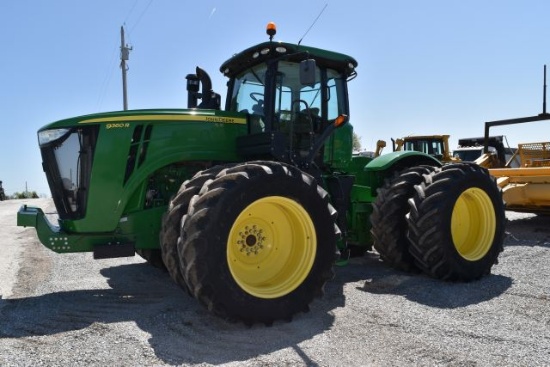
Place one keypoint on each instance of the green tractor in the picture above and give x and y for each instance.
(249, 207)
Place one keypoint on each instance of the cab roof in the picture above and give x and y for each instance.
(272, 50)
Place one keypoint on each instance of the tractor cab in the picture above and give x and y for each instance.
(293, 96)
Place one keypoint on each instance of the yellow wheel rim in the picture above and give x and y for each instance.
(473, 224)
(271, 247)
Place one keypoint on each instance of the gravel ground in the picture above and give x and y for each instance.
(60, 310)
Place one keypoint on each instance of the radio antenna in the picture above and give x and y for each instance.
(312, 24)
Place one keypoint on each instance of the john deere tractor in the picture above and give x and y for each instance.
(248, 207)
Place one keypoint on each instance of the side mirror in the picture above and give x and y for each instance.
(307, 72)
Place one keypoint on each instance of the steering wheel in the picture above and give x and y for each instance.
(299, 101)
(256, 97)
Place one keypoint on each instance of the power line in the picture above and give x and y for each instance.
(141, 16)
(107, 78)
(130, 12)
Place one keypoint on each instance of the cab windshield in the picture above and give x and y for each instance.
(291, 99)
(428, 146)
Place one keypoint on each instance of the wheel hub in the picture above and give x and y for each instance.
(251, 240)
(271, 247)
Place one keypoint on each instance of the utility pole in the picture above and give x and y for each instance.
(124, 56)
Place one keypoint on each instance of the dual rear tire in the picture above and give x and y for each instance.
(255, 242)
(447, 222)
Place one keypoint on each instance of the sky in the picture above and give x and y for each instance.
(424, 66)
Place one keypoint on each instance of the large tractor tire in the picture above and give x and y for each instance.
(388, 219)
(258, 243)
(456, 223)
(171, 221)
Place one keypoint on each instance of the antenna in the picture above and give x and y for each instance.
(312, 24)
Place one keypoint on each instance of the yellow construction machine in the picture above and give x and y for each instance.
(527, 187)
(435, 145)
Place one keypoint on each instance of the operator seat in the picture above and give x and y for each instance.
(256, 118)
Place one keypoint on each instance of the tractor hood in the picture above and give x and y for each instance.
(99, 161)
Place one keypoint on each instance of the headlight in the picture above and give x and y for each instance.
(47, 136)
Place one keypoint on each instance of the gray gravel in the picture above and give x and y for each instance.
(60, 310)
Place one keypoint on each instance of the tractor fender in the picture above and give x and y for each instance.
(386, 165)
(404, 159)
